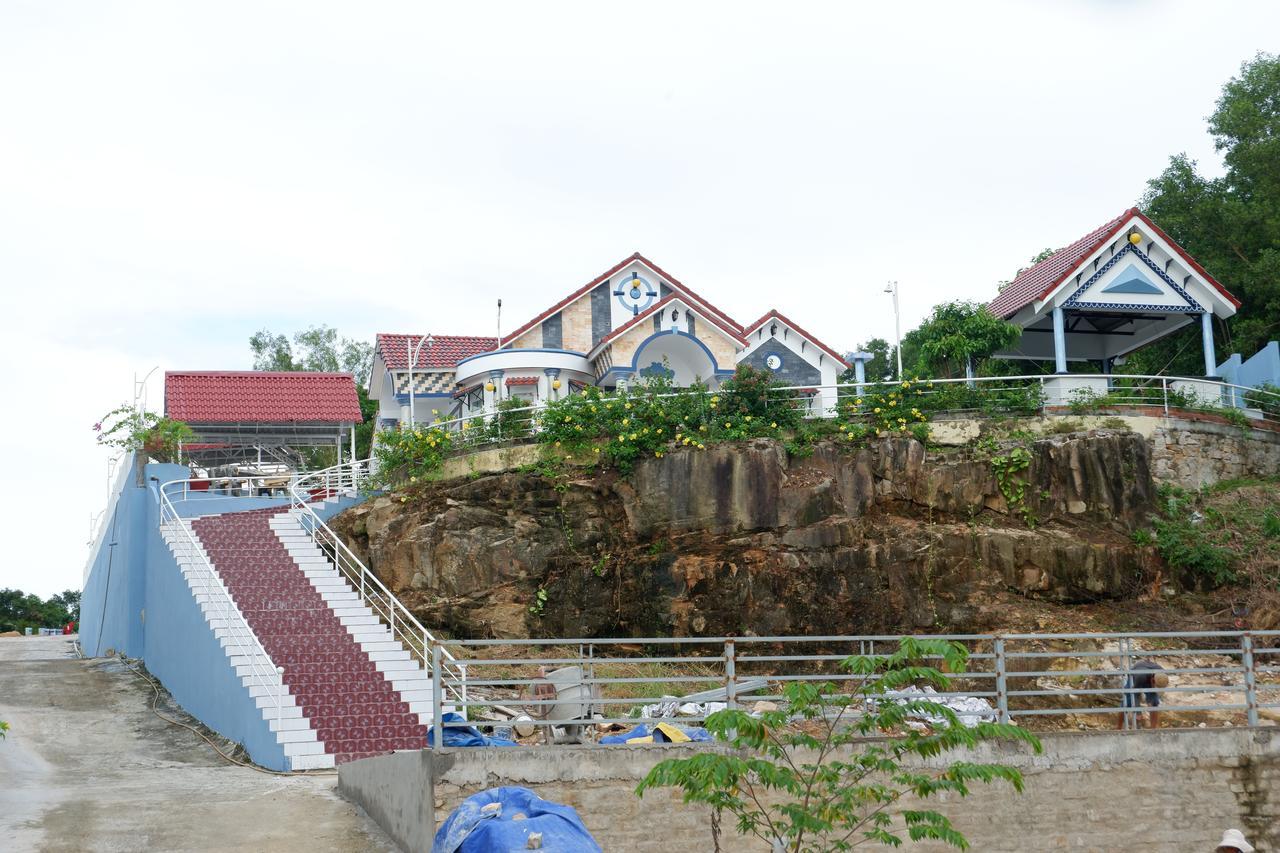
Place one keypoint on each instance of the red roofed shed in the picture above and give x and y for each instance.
(234, 412)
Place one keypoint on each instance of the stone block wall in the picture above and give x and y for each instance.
(1195, 453)
(1134, 791)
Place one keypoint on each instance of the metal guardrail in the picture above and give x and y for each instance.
(1028, 395)
(262, 671)
(374, 594)
(1217, 678)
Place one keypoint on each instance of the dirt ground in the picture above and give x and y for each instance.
(87, 766)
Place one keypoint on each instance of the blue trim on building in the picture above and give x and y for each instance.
(506, 349)
(1192, 307)
(1132, 281)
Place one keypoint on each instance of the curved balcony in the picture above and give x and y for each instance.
(479, 367)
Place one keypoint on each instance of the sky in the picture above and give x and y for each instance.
(174, 176)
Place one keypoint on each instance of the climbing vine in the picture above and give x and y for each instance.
(1010, 474)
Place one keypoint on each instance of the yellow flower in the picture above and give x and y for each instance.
(657, 454)
(893, 402)
(773, 424)
(748, 418)
(713, 404)
(403, 500)
(877, 410)
(567, 418)
(702, 428)
(842, 427)
(906, 384)
(633, 436)
(858, 401)
(728, 425)
(659, 431)
(557, 444)
(627, 406)
(702, 447)
(626, 421)
(902, 429)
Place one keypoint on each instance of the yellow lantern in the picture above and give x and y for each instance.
(1135, 238)
(555, 383)
(488, 386)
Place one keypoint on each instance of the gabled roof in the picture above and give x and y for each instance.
(246, 396)
(732, 331)
(614, 270)
(1036, 283)
(444, 351)
(775, 313)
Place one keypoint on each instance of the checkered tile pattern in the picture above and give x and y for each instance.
(443, 351)
(354, 710)
(427, 383)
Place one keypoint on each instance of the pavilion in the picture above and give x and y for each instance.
(1118, 288)
(243, 416)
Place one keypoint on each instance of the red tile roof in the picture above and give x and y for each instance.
(725, 319)
(801, 332)
(1038, 282)
(522, 380)
(732, 332)
(225, 396)
(444, 350)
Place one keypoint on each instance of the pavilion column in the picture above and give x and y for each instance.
(1206, 337)
(1059, 341)
(859, 374)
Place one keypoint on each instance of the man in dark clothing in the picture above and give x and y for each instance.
(1140, 685)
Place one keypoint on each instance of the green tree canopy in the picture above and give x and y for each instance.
(956, 333)
(19, 610)
(320, 349)
(1230, 224)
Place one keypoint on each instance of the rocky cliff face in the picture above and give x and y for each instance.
(745, 539)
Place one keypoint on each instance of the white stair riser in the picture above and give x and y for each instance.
(294, 723)
(311, 762)
(314, 747)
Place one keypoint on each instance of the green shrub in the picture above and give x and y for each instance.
(408, 454)
(1187, 544)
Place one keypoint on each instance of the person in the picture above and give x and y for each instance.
(1233, 842)
(1147, 676)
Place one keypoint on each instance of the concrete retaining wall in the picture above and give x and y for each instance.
(1133, 791)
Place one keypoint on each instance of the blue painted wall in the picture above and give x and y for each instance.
(136, 601)
(1263, 367)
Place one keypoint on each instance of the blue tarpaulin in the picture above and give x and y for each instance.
(644, 730)
(500, 820)
(464, 735)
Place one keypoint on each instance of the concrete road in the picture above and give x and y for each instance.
(88, 767)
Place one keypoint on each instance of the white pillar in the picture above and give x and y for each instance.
(1059, 341)
(1206, 337)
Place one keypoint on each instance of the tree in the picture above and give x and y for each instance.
(833, 790)
(319, 349)
(19, 610)
(1231, 224)
(956, 334)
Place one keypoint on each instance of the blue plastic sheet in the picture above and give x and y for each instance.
(645, 730)
(464, 735)
(472, 828)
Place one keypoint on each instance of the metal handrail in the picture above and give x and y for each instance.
(998, 675)
(524, 420)
(373, 593)
(267, 675)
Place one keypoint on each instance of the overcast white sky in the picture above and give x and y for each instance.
(174, 176)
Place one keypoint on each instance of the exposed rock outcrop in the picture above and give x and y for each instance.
(741, 539)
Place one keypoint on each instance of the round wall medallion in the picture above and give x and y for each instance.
(773, 361)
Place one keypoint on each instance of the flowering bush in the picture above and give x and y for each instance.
(406, 455)
(132, 429)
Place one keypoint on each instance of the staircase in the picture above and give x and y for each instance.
(350, 688)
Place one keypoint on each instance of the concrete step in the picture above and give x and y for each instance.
(286, 712)
(297, 736)
(320, 761)
(389, 655)
(267, 702)
(397, 665)
(288, 724)
(313, 747)
(358, 620)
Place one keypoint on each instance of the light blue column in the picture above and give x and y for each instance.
(1059, 341)
(968, 372)
(1206, 337)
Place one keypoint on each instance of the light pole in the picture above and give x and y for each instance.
(413, 362)
(892, 287)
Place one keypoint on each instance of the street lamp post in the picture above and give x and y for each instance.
(892, 287)
(413, 363)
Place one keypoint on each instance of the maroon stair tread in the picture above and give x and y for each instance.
(352, 706)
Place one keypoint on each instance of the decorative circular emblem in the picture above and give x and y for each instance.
(635, 293)
(773, 361)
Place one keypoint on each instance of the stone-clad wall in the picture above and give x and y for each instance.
(1165, 791)
(1198, 453)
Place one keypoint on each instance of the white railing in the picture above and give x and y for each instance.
(374, 594)
(1029, 395)
(222, 606)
